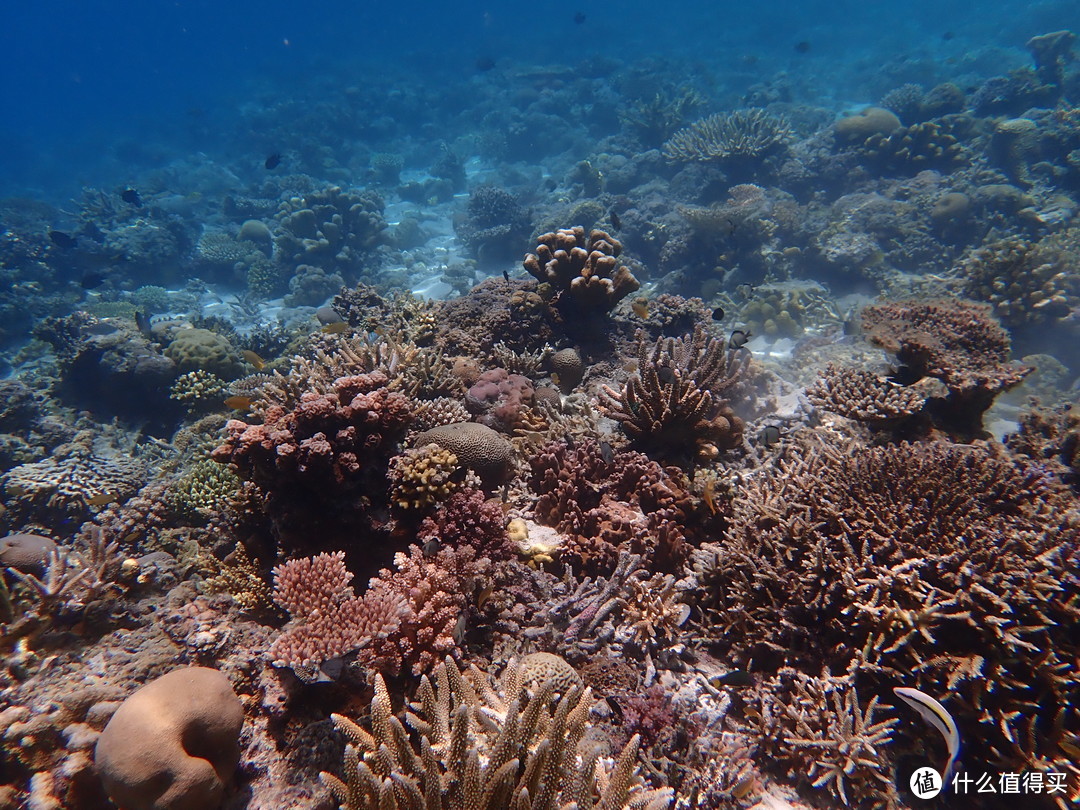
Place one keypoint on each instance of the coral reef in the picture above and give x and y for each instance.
(867, 558)
(333, 229)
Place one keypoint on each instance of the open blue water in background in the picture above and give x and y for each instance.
(89, 86)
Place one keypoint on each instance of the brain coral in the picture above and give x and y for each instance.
(194, 349)
(477, 446)
(173, 744)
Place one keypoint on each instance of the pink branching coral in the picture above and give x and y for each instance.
(406, 620)
(468, 518)
(957, 342)
(677, 401)
(324, 455)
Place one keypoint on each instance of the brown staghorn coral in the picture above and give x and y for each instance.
(721, 136)
(863, 396)
(818, 725)
(583, 273)
(676, 404)
(484, 746)
(957, 342)
(1052, 437)
(941, 566)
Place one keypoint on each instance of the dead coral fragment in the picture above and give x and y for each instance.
(584, 274)
(677, 399)
(482, 747)
(742, 133)
(863, 395)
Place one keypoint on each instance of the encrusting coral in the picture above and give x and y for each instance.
(485, 746)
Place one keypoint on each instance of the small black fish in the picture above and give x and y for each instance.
(616, 223)
(431, 547)
(273, 161)
(718, 313)
(739, 338)
(770, 436)
(484, 64)
(736, 677)
(616, 709)
(606, 453)
(948, 35)
(63, 240)
(802, 46)
(92, 279)
(131, 197)
(506, 277)
(570, 443)
(666, 375)
(142, 321)
(579, 17)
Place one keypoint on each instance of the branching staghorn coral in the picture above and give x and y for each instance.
(484, 746)
(818, 724)
(742, 133)
(947, 566)
(677, 401)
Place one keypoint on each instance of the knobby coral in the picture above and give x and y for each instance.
(583, 273)
(484, 746)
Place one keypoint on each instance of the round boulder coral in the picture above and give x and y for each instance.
(477, 446)
(173, 744)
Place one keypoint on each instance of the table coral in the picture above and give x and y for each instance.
(957, 342)
(863, 395)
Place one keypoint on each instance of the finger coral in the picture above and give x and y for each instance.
(583, 273)
(676, 404)
(485, 746)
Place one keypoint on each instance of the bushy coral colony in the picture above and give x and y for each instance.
(776, 416)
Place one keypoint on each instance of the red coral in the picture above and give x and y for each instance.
(317, 461)
(626, 502)
(467, 518)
